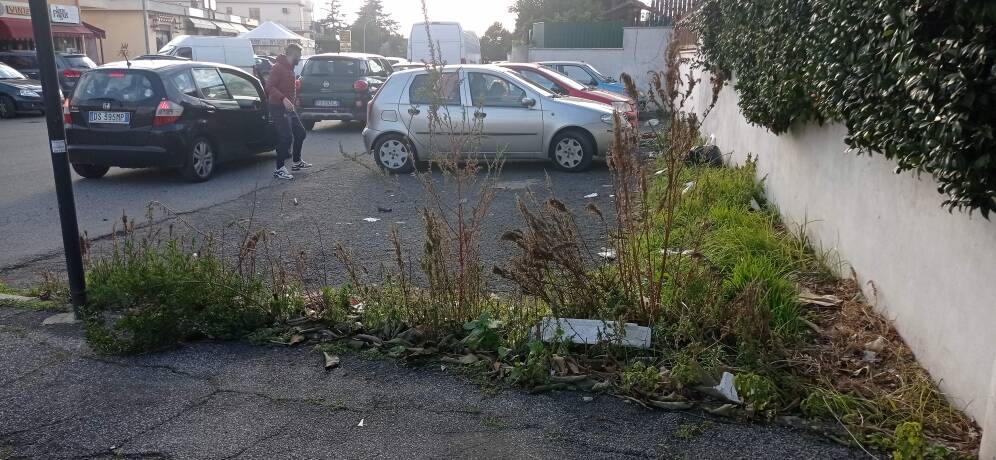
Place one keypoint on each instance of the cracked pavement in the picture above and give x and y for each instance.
(235, 400)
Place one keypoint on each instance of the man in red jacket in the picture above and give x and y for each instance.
(281, 90)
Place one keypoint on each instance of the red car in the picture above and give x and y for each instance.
(562, 84)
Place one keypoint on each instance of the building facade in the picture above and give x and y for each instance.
(295, 15)
(69, 33)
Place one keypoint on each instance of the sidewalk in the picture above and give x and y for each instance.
(236, 400)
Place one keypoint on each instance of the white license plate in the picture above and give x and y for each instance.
(114, 118)
(326, 103)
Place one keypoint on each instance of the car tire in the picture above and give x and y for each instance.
(395, 154)
(201, 161)
(8, 109)
(309, 125)
(90, 171)
(572, 151)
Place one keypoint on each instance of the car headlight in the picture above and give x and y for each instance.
(607, 118)
(621, 107)
(28, 93)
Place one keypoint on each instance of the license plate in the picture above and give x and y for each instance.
(114, 118)
(326, 103)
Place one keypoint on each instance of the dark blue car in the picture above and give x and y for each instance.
(18, 93)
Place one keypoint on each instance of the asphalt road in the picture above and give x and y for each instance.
(29, 219)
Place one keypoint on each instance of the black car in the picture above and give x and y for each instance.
(338, 86)
(69, 66)
(166, 113)
(261, 67)
(18, 93)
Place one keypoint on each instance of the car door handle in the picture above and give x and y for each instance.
(480, 115)
(413, 111)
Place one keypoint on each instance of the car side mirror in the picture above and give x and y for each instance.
(528, 102)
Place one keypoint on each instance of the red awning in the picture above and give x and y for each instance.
(96, 30)
(20, 29)
(15, 29)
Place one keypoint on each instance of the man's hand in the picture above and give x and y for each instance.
(288, 105)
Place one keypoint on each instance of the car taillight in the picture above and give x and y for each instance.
(70, 73)
(67, 116)
(167, 113)
(361, 85)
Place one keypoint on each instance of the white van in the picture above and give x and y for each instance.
(454, 45)
(235, 52)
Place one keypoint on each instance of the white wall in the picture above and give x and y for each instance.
(299, 16)
(643, 50)
(930, 271)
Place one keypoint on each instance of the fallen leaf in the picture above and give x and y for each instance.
(331, 361)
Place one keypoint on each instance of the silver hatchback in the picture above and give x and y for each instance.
(483, 111)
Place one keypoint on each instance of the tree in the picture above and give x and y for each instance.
(531, 11)
(496, 43)
(374, 31)
(332, 24)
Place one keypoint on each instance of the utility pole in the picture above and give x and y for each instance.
(42, 27)
(145, 25)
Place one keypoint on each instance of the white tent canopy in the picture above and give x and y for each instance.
(270, 38)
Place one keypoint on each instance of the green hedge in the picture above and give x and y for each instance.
(912, 80)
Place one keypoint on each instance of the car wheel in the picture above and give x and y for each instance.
(90, 171)
(395, 154)
(572, 151)
(7, 107)
(309, 125)
(201, 161)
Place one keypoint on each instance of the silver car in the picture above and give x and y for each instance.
(497, 110)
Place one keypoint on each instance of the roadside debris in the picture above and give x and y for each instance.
(361, 423)
(590, 332)
(688, 187)
(383, 209)
(807, 297)
(607, 253)
(371, 219)
(331, 361)
(726, 389)
(591, 195)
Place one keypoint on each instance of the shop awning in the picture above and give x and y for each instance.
(203, 24)
(97, 31)
(15, 29)
(227, 27)
(241, 28)
(20, 29)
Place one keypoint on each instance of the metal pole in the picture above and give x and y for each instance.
(364, 37)
(57, 143)
(145, 25)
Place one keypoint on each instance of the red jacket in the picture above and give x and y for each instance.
(281, 83)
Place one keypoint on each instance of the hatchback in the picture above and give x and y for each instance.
(69, 66)
(338, 86)
(498, 111)
(18, 93)
(586, 74)
(167, 113)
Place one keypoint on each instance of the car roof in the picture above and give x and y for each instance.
(561, 62)
(164, 65)
(349, 55)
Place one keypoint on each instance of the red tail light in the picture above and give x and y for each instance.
(70, 73)
(167, 113)
(67, 117)
(361, 85)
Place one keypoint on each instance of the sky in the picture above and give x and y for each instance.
(475, 15)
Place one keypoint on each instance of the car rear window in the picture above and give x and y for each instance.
(20, 61)
(425, 90)
(80, 62)
(331, 68)
(116, 85)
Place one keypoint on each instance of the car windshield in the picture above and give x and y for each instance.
(541, 77)
(597, 73)
(331, 68)
(80, 62)
(8, 73)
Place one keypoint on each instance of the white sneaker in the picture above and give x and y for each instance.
(282, 174)
(301, 165)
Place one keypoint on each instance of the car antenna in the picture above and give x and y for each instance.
(124, 54)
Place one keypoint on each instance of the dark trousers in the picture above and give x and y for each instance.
(290, 132)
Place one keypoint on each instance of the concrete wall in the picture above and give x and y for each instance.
(122, 27)
(930, 271)
(643, 51)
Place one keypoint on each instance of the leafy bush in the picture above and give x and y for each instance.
(914, 81)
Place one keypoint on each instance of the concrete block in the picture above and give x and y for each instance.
(591, 332)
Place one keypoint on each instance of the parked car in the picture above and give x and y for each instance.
(338, 86)
(408, 66)
(236, 52)
(18, 93)
(561, 84)
(70, 66)
(394, 61)
(168, 113)
(453, 44)
(585, 74)
(262, 67)
(502, 112)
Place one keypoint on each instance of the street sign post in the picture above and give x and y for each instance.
(47, 73)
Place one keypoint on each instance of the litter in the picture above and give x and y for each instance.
(591, 332)
(371, 219)
(591, 195)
